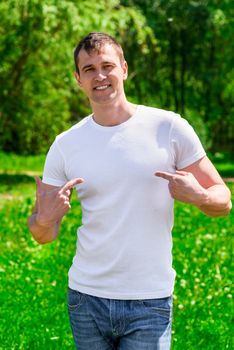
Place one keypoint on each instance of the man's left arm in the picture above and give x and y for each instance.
(201, 185)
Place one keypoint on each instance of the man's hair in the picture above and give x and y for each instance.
(94, 42)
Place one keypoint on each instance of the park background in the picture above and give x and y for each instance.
(180, 57)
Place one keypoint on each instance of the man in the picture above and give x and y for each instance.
(121, 280)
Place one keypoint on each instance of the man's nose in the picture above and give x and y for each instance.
(100, 75)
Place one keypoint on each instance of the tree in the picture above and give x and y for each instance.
(193, 71)
(39, 97)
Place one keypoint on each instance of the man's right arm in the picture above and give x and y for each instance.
(41, 232)
(52, 203)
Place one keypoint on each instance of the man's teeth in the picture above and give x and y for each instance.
(101, 87)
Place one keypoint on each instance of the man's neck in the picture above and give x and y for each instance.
(113, 114)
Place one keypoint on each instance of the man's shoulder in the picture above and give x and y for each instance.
(158, 113)
(74, 129)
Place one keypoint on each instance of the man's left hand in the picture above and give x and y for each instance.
(184, 187)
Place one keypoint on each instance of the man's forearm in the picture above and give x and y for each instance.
(42, 233)
(217, 201)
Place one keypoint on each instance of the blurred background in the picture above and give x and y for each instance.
(179, 52)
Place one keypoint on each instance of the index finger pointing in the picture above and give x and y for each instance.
(165, 175)
(70, 184)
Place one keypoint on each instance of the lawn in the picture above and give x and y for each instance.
(34, 277)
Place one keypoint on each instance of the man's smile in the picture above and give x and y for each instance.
(102, 87)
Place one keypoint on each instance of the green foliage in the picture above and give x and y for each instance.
(38, 91)
(180, 56)
(33, 99)
(192, 69)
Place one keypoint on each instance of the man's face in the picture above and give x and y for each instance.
(101, 75)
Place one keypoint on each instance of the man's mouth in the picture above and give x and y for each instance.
(102, 87)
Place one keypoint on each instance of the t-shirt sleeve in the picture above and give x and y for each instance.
(54, 169)
(185, 144)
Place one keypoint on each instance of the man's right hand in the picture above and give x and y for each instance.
(54, 202)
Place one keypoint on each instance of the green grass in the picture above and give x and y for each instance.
(33, 281)
(224, 163)
(16, 163)
(203, 249)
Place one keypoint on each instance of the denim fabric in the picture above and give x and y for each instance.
(103, 324)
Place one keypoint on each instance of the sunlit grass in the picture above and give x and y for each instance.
(10, 162)
(203, 249)
(33, 281)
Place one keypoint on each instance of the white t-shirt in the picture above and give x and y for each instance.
(124, 243)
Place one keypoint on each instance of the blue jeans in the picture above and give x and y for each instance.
(103, 324)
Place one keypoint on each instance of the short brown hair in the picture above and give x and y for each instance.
(94, 42)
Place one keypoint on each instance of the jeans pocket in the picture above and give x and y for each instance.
(162, 307)
(75, 299)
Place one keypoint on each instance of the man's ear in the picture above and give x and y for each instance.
(77, 77)
(125, 70)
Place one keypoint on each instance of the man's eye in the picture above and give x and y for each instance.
(88, 69)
